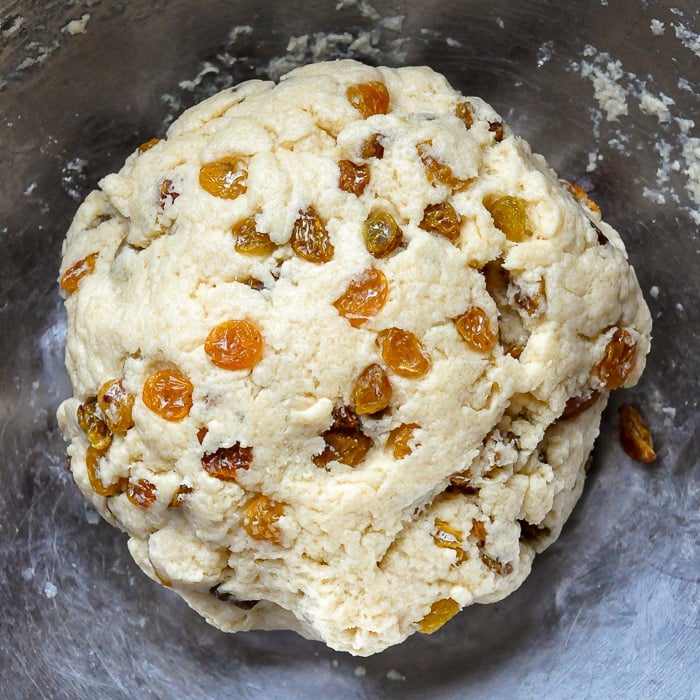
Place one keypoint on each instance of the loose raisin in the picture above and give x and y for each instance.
(437, 172)
(248, 240)
(310, 239)
(364, 297)
(116, 405)
(474, 327)
(147, 145)
(403, 352)
(260, 518)
(178, 498)
(369, 98)
(372, 391)
(443, 220)
(399, 439)
(168, 393)
(225, 178)
(372, 148)
(226, 461)
(348, 446)
(440, 612)
(448, 537)
(635, 437)
(92, 423)
(70, 279)
(353, 177)
(618, 360)
(234, 345)
(381, 234)
(510, 216)
(141, 493)
(92, 462)
(464, 111)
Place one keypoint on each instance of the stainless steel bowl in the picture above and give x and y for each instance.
(613, 608)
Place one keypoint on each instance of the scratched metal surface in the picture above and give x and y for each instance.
(612, 609)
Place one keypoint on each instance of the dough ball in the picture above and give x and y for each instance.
(339, 349)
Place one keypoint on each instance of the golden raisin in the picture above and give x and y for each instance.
(403, 352)
(473, 325)
(178, 498)
(448, 537)
(479, 531)
(225, 178)
(92, 459)
(635, 437)
(528, 303)
(309, 238)
(116, 405)
(348, 446)
(234, 345)
(576, 405)
(92, 423)
(581, 195)
(440, 612)
(248, 240)
(381, 234)
(364, 297)
(372, 391)
(147, 145)
(369, 98)
(372, 148)
(399, 438)
(260, 518)
(496, 128)
(464, 111)
(353, 178)
(72, 276)
(437, 171)
(443, 220)
(498, 567)
(618, 360)
(510, 216)
(224, 463)
(515, 350)
(168, 393)
(141, 493)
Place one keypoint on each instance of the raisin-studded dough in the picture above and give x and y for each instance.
(276, 493)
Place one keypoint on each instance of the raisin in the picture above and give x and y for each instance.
(474, 327)
(399, 438)
(248, 240)
(510, 216)
(70, 279)
(498, 567)
(234, 345)
(260, 518)
(92, 460)
(168, 393)
(364, 297)
(147, 145)
(178, 498)
(167, 190)
(448, 537)
(369, 98)
(201, 434)
(92, 423)
(496, 128)
(463, 110)
(403, 352)
(224, 463)
(372, 148)
(581, 195)
(527, 303)
(372, 391)
(348, 446)
(479, 531)
(225, 178)
(353, 177)
(437, 171)
(443, 220)
(635, 437)
(440, 612)
(253, 283)
(116, 405)
(515, 350)
(381, 234)
(344, 418)
(618, 360)
(462, 482)
(141, 493)
(309, 239)
(576, 405)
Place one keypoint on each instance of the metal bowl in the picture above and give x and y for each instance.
(606, 91)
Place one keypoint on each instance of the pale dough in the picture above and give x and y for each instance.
(361, 553)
